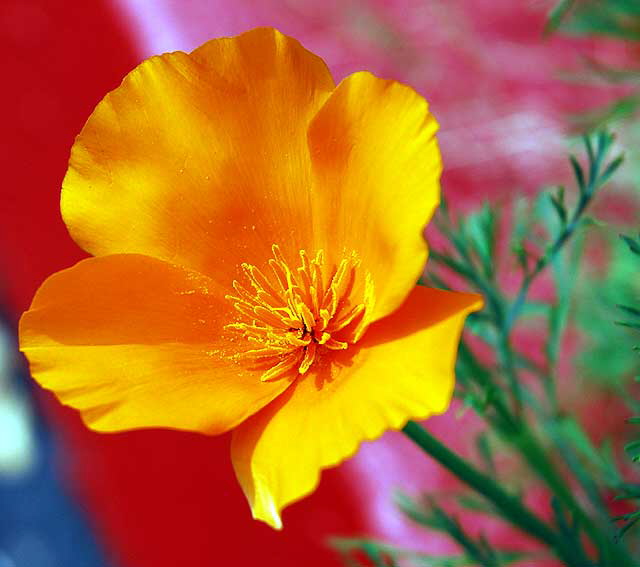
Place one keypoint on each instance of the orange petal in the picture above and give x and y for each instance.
(377, 166)
(135, 342)
(402, 369)
(202, 158)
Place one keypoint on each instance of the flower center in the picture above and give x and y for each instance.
(292, 316)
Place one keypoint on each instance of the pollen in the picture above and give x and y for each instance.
(290, 317)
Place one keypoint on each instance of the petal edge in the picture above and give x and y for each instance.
(321, 420)
(134, 342)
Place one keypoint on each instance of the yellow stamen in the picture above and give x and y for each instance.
(281, 369)
(295, 316)
(308, 358)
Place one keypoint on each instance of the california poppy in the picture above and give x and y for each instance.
(257, 235)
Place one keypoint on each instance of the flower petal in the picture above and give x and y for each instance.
(135, 342)
(403, 369)
(377, 166)
(201, 159)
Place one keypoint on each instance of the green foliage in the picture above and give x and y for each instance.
(614, 18)
(632, 448)
(618, 19)
(609, 359)
(382, 555)
(516, 395)
(618, 110)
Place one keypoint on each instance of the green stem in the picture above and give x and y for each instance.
(536, 456)
(509, 506)
(515, 432)
(544, 261)
(505, 352)
(596, 179)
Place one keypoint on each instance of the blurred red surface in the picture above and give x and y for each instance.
(161, 498)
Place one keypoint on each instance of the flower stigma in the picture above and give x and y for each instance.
(292, 316)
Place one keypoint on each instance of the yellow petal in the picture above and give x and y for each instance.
(377, 167)
(135, 342)
(402, 369)
(201, 159)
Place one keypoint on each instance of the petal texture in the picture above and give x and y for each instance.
(403, 369)
(135, 342)
(377, 167)
(201, 159)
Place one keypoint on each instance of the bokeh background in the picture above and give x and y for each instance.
(507, 97)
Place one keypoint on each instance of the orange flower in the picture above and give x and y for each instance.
(257, 235)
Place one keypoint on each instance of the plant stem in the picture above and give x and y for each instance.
(596, 178)
(536, 456)
(505, 353)
(509, 506)
(544, 261)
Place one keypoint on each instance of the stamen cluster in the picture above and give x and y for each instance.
(292, 315)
